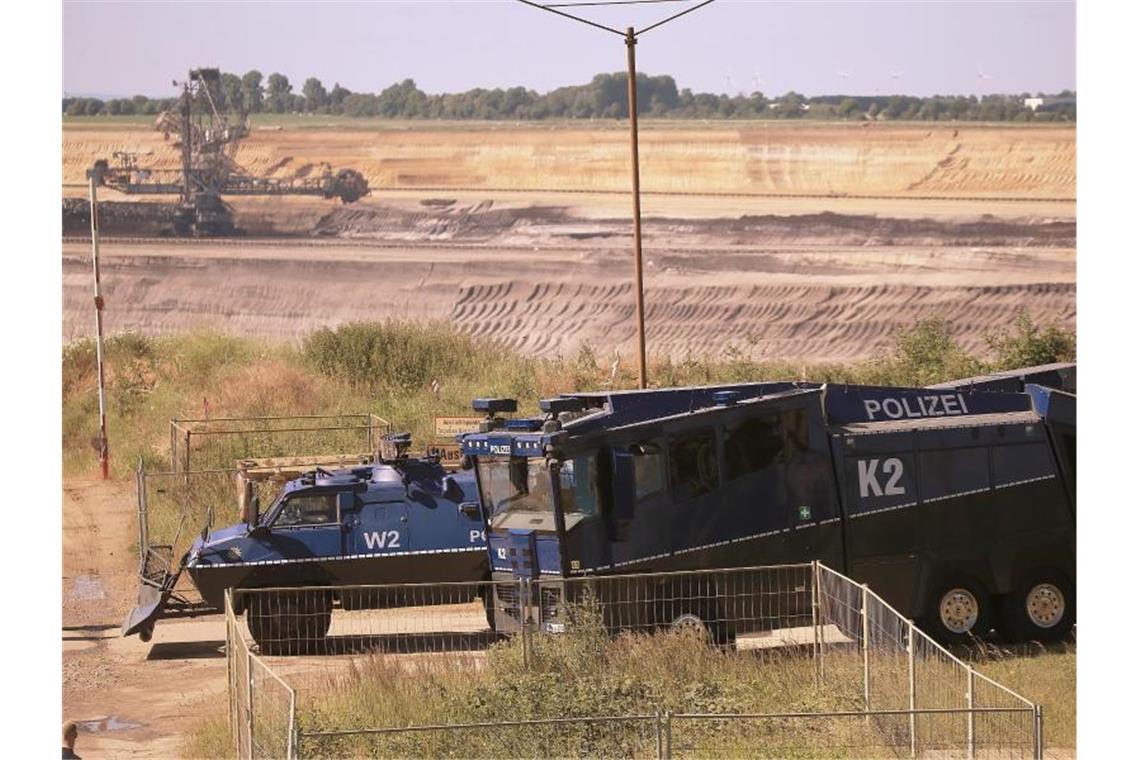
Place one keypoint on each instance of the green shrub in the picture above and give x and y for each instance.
(401, 355)
(1028, 344)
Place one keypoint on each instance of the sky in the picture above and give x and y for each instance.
(821, 47)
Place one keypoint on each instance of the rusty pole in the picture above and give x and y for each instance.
(104, 453)
(630, 42)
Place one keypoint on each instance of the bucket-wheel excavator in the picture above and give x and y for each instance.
(207, 137)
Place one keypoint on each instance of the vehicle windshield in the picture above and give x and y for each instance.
(517, 492)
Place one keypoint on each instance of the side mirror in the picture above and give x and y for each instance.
(253, 511)
(259, 532)
(624, 493)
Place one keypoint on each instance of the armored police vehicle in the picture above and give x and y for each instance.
(402, 520)
(957, 506)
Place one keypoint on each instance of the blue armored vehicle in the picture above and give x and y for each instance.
(957, 505)
(404, 520)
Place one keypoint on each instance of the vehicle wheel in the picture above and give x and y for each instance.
(145, 634)
(285, 624)
(959, 610)
(1042, 608)
(718, 632)
(488, 598)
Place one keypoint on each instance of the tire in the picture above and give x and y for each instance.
(287, 624)
(720, 633)
(1043, 608)
(959, 610)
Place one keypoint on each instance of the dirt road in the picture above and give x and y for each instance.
(131, 699)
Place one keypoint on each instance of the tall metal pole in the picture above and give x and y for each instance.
(104, 454)
(630, 43)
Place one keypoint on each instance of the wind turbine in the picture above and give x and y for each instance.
(982, 77)
(731, 82)
(757, 80)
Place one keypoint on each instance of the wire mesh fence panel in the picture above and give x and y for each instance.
(271, 709)
(852, 734)
(174, 507)
(221, 442)
(840, 662)
(888, 670)
(327, 623)
(1016, 731)
(822, 735)
(595, 736)
(379, 657)
(237, 669)
(941, 681)
(757, 607)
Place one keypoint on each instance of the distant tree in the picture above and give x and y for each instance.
(316, 98)
(278, 91)
(233, 92)
(252, 95)
(336, 98)
(790, 105)
(848, 108)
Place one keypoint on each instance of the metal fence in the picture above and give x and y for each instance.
(220, 442)
(263, 708)
(879, 685)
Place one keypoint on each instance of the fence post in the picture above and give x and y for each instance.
(668, 734)
(290, 741)
(140, 488)
(187, 450)
(816, 626)
(971, 745)
(660, 738)
(249, 703)
(912, 684)
(524, 615)
(1038, 732)
(230, 690)
(866, 651)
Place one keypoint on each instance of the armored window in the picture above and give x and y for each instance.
(796, 432)
(648, 469)
(751, 446)
(308, 509)
(693, 464)
(578, 481)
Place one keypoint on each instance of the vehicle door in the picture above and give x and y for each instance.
(810, 478)
(308, 525)
(381, 528)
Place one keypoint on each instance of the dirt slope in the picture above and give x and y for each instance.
(875, 159)
(131, 699)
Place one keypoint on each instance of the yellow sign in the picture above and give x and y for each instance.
(449, 427)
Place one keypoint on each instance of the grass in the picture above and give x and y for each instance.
(1045, 675)
(210, 738)
(407, 373)
(587, 672)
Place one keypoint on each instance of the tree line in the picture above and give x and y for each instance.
(604, 97)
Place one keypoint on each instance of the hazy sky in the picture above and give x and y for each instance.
(125, 48)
